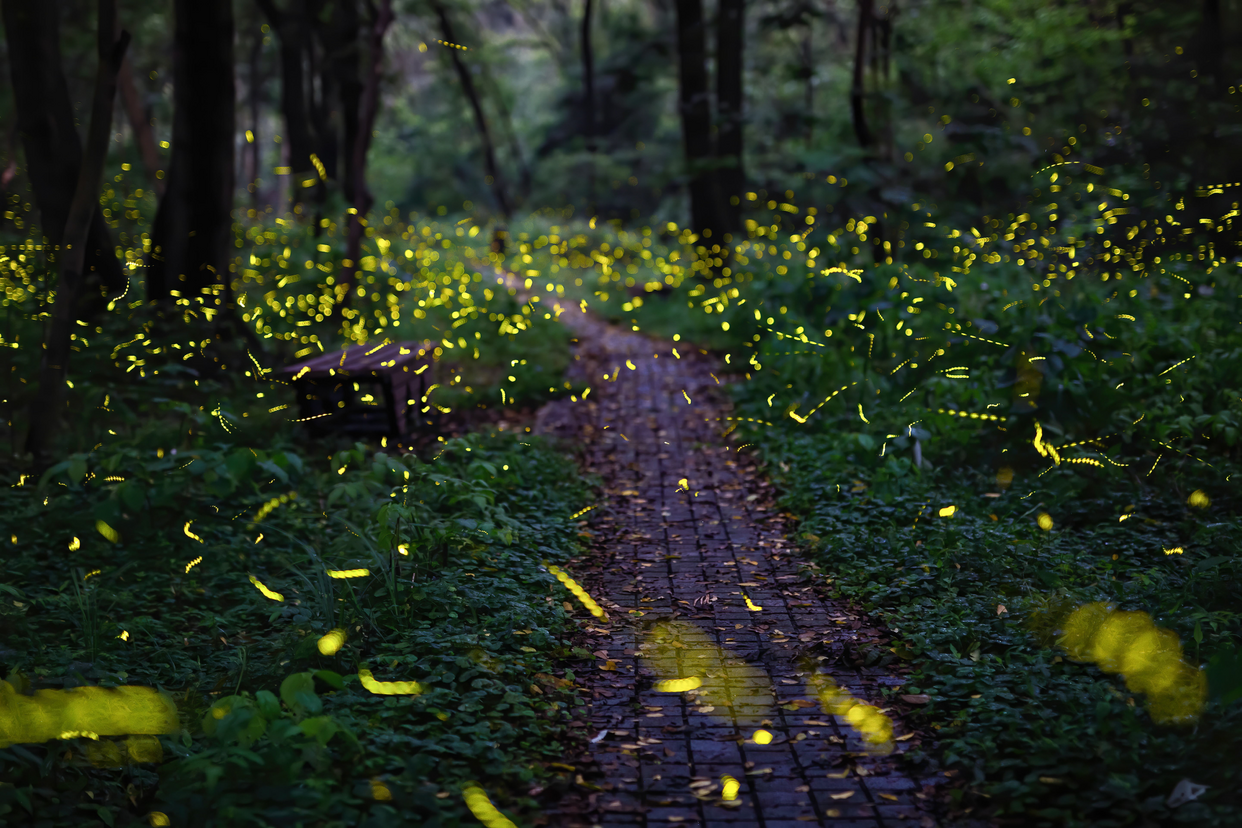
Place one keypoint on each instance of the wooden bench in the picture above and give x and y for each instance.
(363, 389)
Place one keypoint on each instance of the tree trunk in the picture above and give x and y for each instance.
(588, 98)
(808, 88)
(467, 83)
(192, 234)
(144, 135)
(290, 29)
(1213, 45)
(254, 155)
(729, 97)
(695, 107)
(349, 87)
(381, 19)
(857, 98)
(45, 407)
(51, 143)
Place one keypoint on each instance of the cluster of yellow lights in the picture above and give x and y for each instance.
(388, 688)
(481, 806)
(1148, 657)
(579, 593)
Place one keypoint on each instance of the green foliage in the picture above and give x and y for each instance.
(975, 601)
(276, 732)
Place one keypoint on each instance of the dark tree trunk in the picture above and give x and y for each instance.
(190, 241)
(140, 123)
(45, 407)
(588, 98)
(857, 92)
(290, 31)
(349, 85)
(254, 154)
(696, 117)
(729, 96)
(380, 20)
(338, 34)
(467, 85)
(51, 143)
(808, 88)
(1213, 45)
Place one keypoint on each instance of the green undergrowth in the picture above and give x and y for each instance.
(977, 600)
(274, 731)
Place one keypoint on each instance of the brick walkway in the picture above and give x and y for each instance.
(676, 566)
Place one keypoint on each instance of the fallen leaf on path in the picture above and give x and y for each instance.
(842, 795)
(915, 698)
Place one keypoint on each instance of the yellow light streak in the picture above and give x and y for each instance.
(107, 531)
(102, 711)
(267, 593)
(190, 534)
(1148, 657)
(579, 592)
(678, 685)
(477, 800)
(388, 688)
(331, 643)
(341, 574)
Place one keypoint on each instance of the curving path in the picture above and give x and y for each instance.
(701, 586)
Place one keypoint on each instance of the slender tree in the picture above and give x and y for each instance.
(45, 407)
(857, 92)
(588, 97)
(729, 96)
(380, 20)
(290, 28)
(192, 234)
(50, 141)
(140, 123)
(695, 104)
(254, 81)
(344, 57)
(494, 178)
